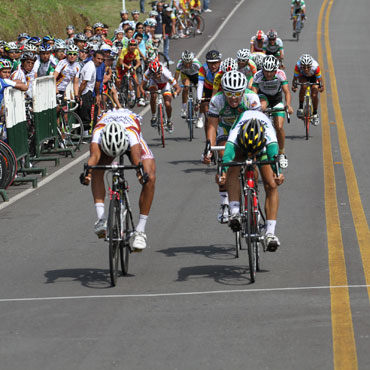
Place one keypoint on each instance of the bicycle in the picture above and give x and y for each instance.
(307, 105)
(70, 127)
(128, 89)
(184, 25)
(269, 111)
(252, 216)
(8, 165)
(192, 115)
(120, 221)
(198, 20)
(298, 25)
(161, 117)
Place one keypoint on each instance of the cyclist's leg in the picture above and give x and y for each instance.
(185, 91)
(279, 127)
(167, 97)
(315, 98)
(223, 213)
(138, 92)
(153, 98)
(115, 97)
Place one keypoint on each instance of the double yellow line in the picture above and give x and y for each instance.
(344, 345)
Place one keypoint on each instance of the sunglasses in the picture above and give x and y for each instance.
(98, 29)
(230, 94)
(82, 51)
(72, 53)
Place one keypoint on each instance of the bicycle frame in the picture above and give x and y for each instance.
(161, 114)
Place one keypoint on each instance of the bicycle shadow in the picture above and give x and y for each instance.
(89, 278)
(214, 251)
(196, 162)
(222, 274)
(295, 137)
(170, 138)
(289, 40)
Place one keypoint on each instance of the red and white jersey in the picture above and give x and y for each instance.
(161, 82)
(254, 42)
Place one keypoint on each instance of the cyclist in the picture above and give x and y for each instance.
(258, 60)
(308, 70)
(70, 30)
(158, 77)
(48, 40)
(224, 110)
(68, 70)
(298, 8)
(253, 136)
(205, 80)
(12, 54)
(109, 78)
(44, 65)
(271, 82)
(257, 42)
(60, 50)
(118, 132)
(80, 40)
(274, 46)
(227, 65)
(246, 65)
(188, 67)
(130, 59)
(25, 72)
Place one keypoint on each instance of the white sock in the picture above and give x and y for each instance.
(100, 210)
(270, 226)
(234, 208)
(184, 106)
(224, 197)
(141, 224)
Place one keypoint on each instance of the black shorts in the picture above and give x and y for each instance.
(273, 99)
(311, 79)
(207, 93)
(192, 78)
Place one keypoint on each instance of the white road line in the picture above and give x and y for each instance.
(142, 113)
(154, 295)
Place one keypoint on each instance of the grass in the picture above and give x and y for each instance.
(50, 17)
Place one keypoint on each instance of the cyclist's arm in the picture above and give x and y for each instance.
(177, 74)
(93, 160)
(75, 85)
(288, 97)
(200, 89)
(229, 154)
(212, 126)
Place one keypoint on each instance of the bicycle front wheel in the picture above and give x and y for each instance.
(307, 117)
(125, 243)
(161, 123)
(114, 234)
(199, 22)
(190, 120)
(71, 130)
(250, 237)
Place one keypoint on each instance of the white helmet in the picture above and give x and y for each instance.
(270, 63)
(229, 64)
(187, 56)
(72, 48)
(114, 139)
(306, 60)
(243, 54)
(258, 60)
(30, 47)
(234, 81)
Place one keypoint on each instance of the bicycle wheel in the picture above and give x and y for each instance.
(125, 243)
(123, 93)
(307, 117)
(106, 103)
(161, 123)
(10, 161)
(132, 89)
(190, 120)
(163, 59)
(114, 234)
(72, 130)
(199, 22)
(190, 28)
(251, 230)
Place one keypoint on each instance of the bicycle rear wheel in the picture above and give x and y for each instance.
(114, 234)
(161, 123)
(125, 243)
(251, 230)
(132, 89)
(10, 162)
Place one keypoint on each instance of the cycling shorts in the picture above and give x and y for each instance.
(274, 101)
(165, 87)
(193, 78)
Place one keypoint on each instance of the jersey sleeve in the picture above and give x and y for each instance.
(318, 72)
(217, 81)
(202, 74)
(252, 66)
(215, 105)
(297, 72)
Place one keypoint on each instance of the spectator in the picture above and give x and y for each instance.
(88, 31)
(135, 16)
(206, 6)
(70, 30)
(142, 6)
(86, 88)
(124, 15)
(167, 31)
(158, 31)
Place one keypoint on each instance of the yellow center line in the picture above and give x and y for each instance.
(358, 214)
(344, 346)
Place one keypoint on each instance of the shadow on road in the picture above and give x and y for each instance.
(215, 251)
(289, 40)
(295, 137)
(90, 278)
(223, 274)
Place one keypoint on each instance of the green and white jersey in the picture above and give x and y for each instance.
(270, 87)
(192, 70)
(273, 49)
(298, 5)
(218, 107)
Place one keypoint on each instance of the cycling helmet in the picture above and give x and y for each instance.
(118, 30)
(151, 54)
(234, 81)
(30, 47)
(258, 60)
(251, 137)
(45, 47)
(5, 63)
(80, 37)
(11, 46)
(60, 45)
(155, 66)
(122, 12)
(70, 27)
(270, 63)
(213, 56)
(114, 52)
(306, 60)
(118, 44)
(2, 44)
(98, 25)
(34, 40)
(187, 56)
(150, 22)
(114, 140)
(260, 35)
(132, 42)
(228, 65)
(28, 56)
(23, 36)
(48, 38)
(272, 34)
(243, 54)
(153, 13)
(72, 48)
(135, 12)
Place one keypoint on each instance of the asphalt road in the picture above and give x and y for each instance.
(187, 302)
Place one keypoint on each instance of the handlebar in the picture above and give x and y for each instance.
(285, 109)
(295, 84)
(62, 99)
